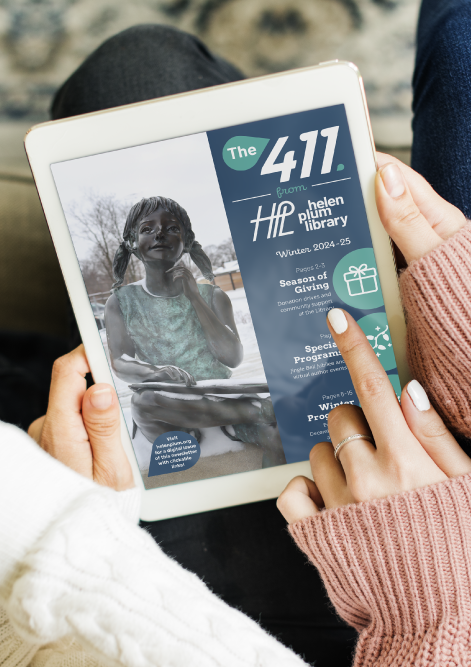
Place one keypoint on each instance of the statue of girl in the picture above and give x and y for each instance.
(169, 328)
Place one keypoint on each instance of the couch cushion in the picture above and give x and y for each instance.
(32, 291)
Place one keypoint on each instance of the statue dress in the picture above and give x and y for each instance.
(166, 331)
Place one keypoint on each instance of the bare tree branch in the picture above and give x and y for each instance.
(100, 220)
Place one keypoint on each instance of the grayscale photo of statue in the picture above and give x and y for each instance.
(169, 329)
(170, 305)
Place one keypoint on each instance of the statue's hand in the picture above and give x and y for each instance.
(190, 287)
(172, 374)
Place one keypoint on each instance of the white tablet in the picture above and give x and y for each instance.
(203, 239)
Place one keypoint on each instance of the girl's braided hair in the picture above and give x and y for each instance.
(128, 247)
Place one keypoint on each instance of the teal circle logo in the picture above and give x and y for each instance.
(376, 329)
(356, 280)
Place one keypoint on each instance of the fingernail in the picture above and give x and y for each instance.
(393, 180)
(418, 396)
(101, 399)
(337, 320)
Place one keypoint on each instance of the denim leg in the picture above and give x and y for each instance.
(141, 63)
(441, 149)
(138, 64)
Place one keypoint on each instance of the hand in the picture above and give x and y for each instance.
(172, 374)
(416, 218)
(190, 287)
(413, 446)
(81, 428)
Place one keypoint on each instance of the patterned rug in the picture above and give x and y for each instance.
(43, 41)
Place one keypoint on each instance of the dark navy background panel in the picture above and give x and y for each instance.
(302, 392)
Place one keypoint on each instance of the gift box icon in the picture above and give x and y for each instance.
(361, 280)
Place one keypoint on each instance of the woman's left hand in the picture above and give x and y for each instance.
(190, 287)
(82, 428)
(412, 447)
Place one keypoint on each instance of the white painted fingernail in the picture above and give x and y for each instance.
(418, 396)
(338, 320)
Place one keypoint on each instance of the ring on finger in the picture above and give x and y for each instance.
(355, 436)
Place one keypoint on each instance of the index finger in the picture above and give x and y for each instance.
(373, 388)
(298, 500)
(64, 410)
(68, 383)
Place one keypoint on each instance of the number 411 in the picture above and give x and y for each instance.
(289, 163)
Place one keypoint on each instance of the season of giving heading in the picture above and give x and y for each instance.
(292, 195)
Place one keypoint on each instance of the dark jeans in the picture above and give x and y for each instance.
(441, 150)
(244, 553)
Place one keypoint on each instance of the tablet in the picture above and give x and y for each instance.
(203, 238)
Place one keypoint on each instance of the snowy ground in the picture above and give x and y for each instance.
(251, 366)
(214, 441)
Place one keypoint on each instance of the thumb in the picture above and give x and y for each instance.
(401, 216)
(101, 417)
(429, 429)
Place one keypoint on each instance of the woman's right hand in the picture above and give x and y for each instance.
(172, 374)
(416, 218)
(411, 446)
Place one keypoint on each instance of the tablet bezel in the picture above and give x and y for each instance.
(186, 114)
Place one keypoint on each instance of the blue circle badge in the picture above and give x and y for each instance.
(173, 452)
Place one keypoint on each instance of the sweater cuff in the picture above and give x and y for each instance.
(401, 563)
(457, 247)
(436, 293)
(129, 503)
(439, 283)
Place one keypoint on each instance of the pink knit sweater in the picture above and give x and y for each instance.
(399, 569)
(436, 293)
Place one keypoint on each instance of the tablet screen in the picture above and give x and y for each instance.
(211, 261)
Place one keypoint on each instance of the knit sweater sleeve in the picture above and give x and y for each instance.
(73, 565)
(399, 571)
(436, 293)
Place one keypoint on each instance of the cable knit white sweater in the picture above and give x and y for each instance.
(82, 585)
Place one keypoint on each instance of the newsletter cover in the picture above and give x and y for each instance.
(211, 262)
